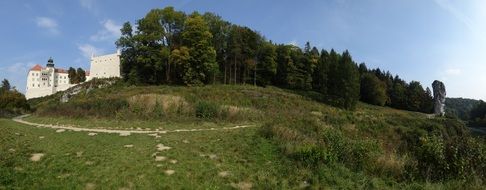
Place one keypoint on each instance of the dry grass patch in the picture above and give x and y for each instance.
(151, 102)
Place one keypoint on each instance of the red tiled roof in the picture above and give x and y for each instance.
(37, 67)
(60, 70)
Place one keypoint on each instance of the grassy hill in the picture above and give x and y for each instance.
(296, 141)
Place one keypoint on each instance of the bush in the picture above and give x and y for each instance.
(12, 103)
(441, 159)
(206, 110)
(85, 108)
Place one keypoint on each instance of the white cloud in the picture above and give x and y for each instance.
(18, 67)
(453, 72)
(16, 73)
(88, 4)
(110, 31)
(91, 5)
(48, 23)
(88, 50)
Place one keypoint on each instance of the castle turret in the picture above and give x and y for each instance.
(50, 62)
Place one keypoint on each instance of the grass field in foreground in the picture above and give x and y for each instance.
(75, 160)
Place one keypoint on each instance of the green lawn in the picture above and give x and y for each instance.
(75, 160)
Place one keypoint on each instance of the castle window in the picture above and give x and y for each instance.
(38, 85)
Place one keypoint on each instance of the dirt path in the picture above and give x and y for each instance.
(19, 119)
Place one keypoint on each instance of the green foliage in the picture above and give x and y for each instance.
(170, 47)
(373, 91)
(206, 110)
(201, 67)
(478, 115)
(81, 74)
(76, 75)
(344, 84)
(12, 102)
(267, 66)
(85, 108)
(460, 107)
(5, 86)
(439, 158)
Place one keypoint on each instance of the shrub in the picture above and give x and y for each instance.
(457, 158)
(206, 110)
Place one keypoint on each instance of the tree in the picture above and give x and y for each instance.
(427, 102)
(12, 102)
(128, 65)
(398, 95)
(202, 61)
(180, 59)
(81, 75)
(172, 23)
(373, 90)
(344, 83)
(479, 111)
(150, 40)
(320, 74)
(283, 61)
(221, 34)
(267, 64)
(5, 85)
(415, 94)
(73, 77)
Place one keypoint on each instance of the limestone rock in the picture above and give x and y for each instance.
(439, 97)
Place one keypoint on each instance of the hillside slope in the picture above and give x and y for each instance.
(370, 147)
(460, 107)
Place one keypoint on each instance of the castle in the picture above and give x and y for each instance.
(44, 81)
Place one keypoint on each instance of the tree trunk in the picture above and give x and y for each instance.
(254, 73)
(167, 73)
(225, 66)
(245, 72)
(235, 69)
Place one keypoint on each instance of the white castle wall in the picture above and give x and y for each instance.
(105, 66)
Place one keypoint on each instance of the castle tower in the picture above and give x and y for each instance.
(49, 74)
(50, 62)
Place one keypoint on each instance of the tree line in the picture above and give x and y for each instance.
(171, 47)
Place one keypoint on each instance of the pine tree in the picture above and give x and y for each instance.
(343, 81)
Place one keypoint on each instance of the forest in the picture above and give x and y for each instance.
(174, 48)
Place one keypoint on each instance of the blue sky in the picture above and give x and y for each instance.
(419, 40)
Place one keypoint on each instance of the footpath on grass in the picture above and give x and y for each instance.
(19, 119)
